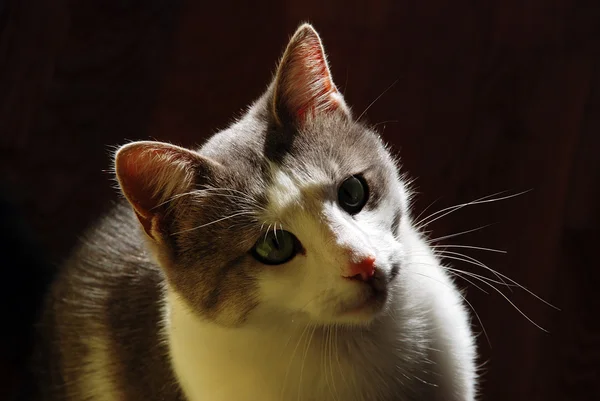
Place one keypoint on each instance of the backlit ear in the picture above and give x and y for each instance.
(152, 173)
(303, 84)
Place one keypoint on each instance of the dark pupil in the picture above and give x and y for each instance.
(275, 243)
(352, 195)
(275, 248)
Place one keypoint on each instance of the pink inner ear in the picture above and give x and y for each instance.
(135, 169)
(314, 85)
(151, 172)
(304, 82)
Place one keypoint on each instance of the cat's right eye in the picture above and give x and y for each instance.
(276, 247)
(353, 194)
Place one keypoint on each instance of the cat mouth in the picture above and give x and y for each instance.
(368, 305)
(372, 297)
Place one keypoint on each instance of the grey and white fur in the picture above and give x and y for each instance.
(165, 300)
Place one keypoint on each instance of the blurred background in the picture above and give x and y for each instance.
(484, 96)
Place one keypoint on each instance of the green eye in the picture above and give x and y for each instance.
(275, 249)
(353, 194)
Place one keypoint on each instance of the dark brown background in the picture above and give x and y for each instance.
(490, 96)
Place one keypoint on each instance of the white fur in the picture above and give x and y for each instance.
(297, 344)
(284, 191)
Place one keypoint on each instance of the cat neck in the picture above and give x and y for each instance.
(273, 363)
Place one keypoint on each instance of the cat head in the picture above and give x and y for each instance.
(293, 212)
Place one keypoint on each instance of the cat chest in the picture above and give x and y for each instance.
(247, 373)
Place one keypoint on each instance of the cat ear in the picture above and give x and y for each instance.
(152, 173)
(303, 84)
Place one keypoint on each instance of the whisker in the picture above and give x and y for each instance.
(515, 306)
(248, 200)
(330, 355)
(376, 99)
(479, 276)
(243, 194)
(421, 223)
(469, 247)
(229, 192)
(423, 211)
(214, 221)
(267, 232)
(509, 301)
(323, 360)
(459, 274)
(384, 122)
(287, 372)
(306, 349)
(514, 283)
(430, 241)
(467, 302)
(452, 209)
(471, 260)
(337, 356)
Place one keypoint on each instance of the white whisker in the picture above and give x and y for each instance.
(479, 276)
(287, 372)
(214, 221)
(430, 241)
(466, 301)
(306, 349)
(422, 223)
(509, 301)
(267, 232)
(423, 211)
(471, 260)
(469, 247)
(503, 276)
(446, 211)
(384, 122)
(515, 306)
(376, 99)
(337, 357)
(458, 273)
(245, 199)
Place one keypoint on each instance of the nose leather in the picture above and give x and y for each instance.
(362, 270)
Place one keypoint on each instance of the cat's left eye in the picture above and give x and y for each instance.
(275, 248)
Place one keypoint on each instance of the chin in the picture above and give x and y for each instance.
(361, 312)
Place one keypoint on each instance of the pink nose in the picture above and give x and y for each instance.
(362, 270)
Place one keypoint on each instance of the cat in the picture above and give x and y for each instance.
(279, 261)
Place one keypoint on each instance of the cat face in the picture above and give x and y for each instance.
(341, 199)
(292, 212)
